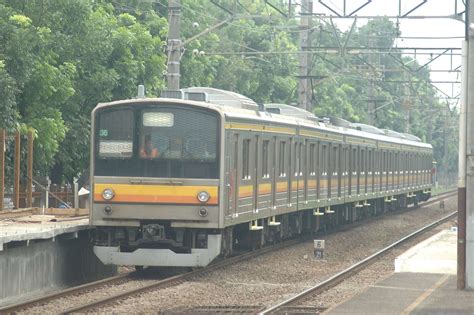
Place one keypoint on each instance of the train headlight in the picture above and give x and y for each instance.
(108, 194)
(203, 196)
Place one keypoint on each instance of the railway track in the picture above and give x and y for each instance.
(67, 292)
(296, 300)
(175, 280)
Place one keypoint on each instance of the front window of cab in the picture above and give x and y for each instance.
(157, 141)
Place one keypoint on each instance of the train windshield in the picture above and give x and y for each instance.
(157, 141)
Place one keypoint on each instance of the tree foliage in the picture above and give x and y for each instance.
(58, 59)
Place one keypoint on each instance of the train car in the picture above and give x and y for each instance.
(179, 180)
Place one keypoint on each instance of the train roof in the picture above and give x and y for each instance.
(235, 106)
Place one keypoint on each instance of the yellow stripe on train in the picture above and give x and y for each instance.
(156, 193)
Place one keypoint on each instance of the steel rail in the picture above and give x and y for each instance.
(70, 291)
(182, 277)
(341, 276)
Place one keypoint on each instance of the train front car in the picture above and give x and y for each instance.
(155, 174)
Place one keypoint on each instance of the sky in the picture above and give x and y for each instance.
(426, 27)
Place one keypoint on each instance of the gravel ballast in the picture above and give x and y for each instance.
(273, 277)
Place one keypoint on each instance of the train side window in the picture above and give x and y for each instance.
(333, 160)
(281, 159)
(246, 159)
(363, 161)
(312, 149)
(323, 160)
(371, 166)
(296, 158)
(265, 156)
(302, 158)
(354, 161)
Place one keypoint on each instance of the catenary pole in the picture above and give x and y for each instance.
(304, 86)
(461, 248)
(470, 150)
(174, 45)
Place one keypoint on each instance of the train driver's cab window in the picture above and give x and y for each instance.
(191, 136)
(115, 134)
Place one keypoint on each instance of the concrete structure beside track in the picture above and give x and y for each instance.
(425, 284)
(43, 253)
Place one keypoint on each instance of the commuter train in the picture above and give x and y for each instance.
(200, 172)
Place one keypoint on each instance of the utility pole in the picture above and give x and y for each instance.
(470, 150)
(406, 104)
(371, 91)
(461, 248)
(173, 45)
(445, 140)
(304, 85)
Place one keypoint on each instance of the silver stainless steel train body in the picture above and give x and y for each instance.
(178, 181)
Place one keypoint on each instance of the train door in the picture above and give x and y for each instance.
(342, 171)
(409, 169)
(232, 185)
(333, 175)
(363, 170)
(339, 168)
(375, 170)
(392, 170)
(354, 168)
(255, 172)
(246, 187)
(383, 170)
(290, 173)
(305, 152)
(264, 174)
(231, 172)
(369, 171)
(405, 173)
(397, 170)
(274, 172)
(297, 173)
(358, 171)
(323, 179)
(312, 177)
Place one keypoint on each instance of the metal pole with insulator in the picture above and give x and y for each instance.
(29, 170)
(304, 86)
(469, 277)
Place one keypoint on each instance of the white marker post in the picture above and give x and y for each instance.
(319, 249)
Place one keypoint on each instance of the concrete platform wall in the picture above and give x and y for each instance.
(29, 269)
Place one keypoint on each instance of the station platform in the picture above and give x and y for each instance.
(43, 250)
(424, 282)
(26, 228)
